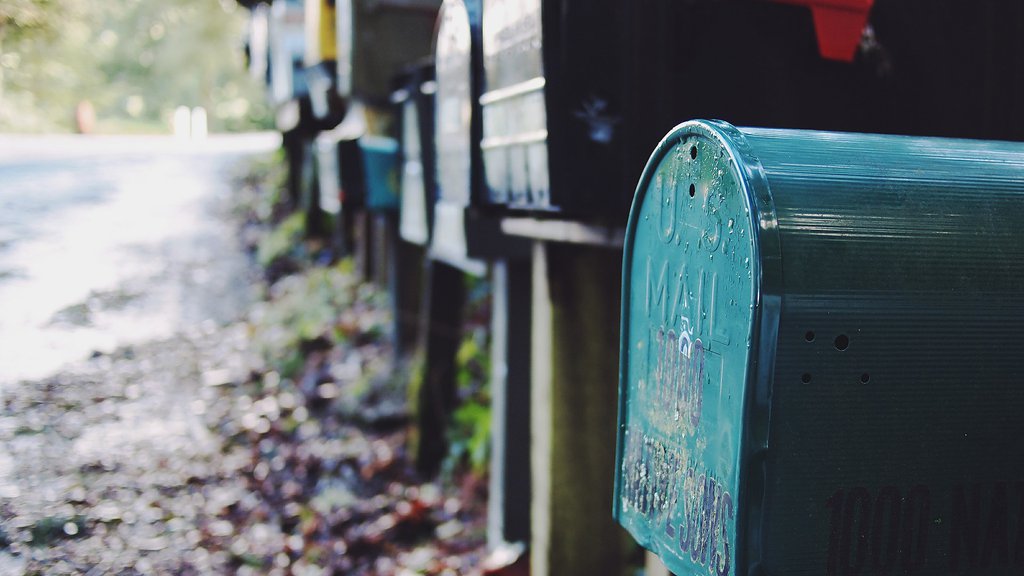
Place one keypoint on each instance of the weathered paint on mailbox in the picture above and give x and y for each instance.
(690, 308)
(821, 354)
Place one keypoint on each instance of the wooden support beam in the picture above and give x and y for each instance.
(508, 513)
(445, 298)
(574, 410)
(406, 289)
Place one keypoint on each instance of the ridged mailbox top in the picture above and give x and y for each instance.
(821, 354)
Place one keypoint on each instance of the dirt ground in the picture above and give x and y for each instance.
(191, 454)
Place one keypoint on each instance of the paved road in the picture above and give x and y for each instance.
(106, 241)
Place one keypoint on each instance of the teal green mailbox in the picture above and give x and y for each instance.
(822, 358)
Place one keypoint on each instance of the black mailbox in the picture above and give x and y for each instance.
(821, 354)
(578, 91)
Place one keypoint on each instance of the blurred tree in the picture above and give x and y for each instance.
(29, 31)
(133, 60)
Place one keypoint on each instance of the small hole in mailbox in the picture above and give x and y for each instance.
(842, 342)
(865, 378)
(806, 378)
(693, 190)
(809, 336)
(693, 152)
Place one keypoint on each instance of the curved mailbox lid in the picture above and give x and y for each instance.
(892, 356)
(700, 310)
(454, 113)
(413, 222)
(456, 131)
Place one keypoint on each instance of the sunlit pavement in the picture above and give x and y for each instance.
(108, 240)
(119, 277)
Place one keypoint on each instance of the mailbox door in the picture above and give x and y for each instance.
(456, 129)
(413, 223)
(259, 43)
(287, 49)
(515, 130)
(328, 172)
(321, 40)
(693, 312)
(382, 168)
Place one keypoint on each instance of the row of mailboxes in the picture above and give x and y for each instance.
(562, 101)
(821, 354)
(575, 93)
(357, 169)
(462, 231)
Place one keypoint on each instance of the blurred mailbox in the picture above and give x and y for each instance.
(287, 50)
(382, 166)
(415, 103)
(462, 233)
(821, 354)
(551, 106)
(340, 164)
(321, 62)
(377, 37)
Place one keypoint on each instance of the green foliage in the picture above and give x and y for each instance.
(302, 308)
(470, 432)
(321, 303)
(133, 60)
(471, 436)
(283, 241)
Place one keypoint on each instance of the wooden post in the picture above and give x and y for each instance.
(406, 290)
(508, 514)
(291, 141)
(574, 410)
(362, 244)
(445, 298)
(653, 566)
(309, 190)
(380, 255)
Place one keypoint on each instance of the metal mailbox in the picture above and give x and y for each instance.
(287, 50)
(382, 167)
(462, 232)
(579, 91)
(321, 33)
(456, 128)
(321, 62)
(342, 174)
(378, 37)
(552, 104)
(415, 102)
(257, 47)
(821, 354)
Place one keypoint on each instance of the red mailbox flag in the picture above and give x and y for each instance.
(839, 24)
